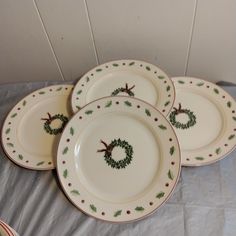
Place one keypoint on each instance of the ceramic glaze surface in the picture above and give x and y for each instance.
(33, 127)
(114, 126)
(130, 78)
(118, 159)
(202, 108)
(31, 123)
(144, 88)
(204, 120)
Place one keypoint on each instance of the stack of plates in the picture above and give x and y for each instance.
(119, 157)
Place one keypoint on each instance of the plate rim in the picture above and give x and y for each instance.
(231, 97)
(167, 197)
(122, 60)
(7, 115)
(6, 228)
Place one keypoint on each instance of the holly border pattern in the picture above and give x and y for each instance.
(217, 154)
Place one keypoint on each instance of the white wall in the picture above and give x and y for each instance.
(63, 39)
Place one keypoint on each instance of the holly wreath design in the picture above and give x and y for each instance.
(179, 125)
(121, 164)
(50, 119)
(126, 89)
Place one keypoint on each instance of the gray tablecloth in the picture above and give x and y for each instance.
(32, 202)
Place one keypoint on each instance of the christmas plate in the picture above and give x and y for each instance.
(6, 230)
(32, 128)
(125, 77)
(118, 159)
(204, 120)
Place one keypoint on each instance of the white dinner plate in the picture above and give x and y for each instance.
(128, 78)
(204, 120)
(32, 128)
(118, 159)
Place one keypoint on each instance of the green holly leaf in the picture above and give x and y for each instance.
(162, 127)
(167, 103)
(24, 103)
(40, 163)
(172, 150)
(65, 150)
(93, 208)
(231, 136)
(41, 92)
(170, 175)
(148, 68)
(115, 64)
(117, 213)
(59, 89)
(127, 103)
(20, 157)
(168, 88)
(229, 104)
(139, 208)
(234, 118)
(98, 70)
(108, 104)
(87, 79)
(78, 107)
(13, 115)
(181, 82)
(88, 112)
(160, 195)
(161, 77)
(218, 151)
(7, 131)
(147, 112)
(216, 90)
(200, 84)
(10, 144)
(72, 131)
(199, 158)
(131, 63)
(65, 173)
(75, 192)
(79, 92)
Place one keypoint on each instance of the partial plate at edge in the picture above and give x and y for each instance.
(204, 119)
(128, 78)
(32, 128)
(118, 159)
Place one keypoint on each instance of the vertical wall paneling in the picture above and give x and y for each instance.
(213, 49)
(67, 26)
(25, 53)
(155, 31)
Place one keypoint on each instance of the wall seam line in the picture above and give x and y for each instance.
(49, 41)
(191, 37)
(91, 32)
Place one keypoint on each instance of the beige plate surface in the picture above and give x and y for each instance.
(128, 78)
(204, 120)
(31, 130)
(118, 159)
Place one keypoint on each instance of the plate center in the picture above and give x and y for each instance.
(37, 122)
(196, 119)
(129, 83)
(124, 161)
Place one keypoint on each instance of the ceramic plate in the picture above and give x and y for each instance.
(32, 128)
(118, 159)
(125, 77)
(204, 120)
(5, 230)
